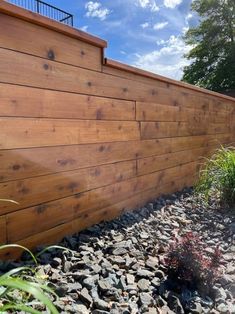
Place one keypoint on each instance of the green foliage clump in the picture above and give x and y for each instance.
(217, 177)
(213, 46)
(23, 288)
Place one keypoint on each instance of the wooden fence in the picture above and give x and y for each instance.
(84, 138)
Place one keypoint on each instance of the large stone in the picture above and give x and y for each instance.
(143, 284)
(104, 285)
(152, 262)
(145, 299)
(144, 273)
(85, 297)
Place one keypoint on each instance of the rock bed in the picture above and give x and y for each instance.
(117, 266)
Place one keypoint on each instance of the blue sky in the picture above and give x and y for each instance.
(142, 33)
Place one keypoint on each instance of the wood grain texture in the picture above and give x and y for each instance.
(45, 216)
(20, 36)
(171, 129)
(32, 191)
(32, 162)
(18, 133)
(157, 112)
(40, 103)
(156, 163)
(3, 231)
(38, 19)
(37, 72)
(55, 234)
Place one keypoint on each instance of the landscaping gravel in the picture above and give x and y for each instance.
(118, 266)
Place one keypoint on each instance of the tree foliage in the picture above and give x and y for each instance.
(213, 42)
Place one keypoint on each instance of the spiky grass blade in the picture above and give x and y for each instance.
(218, 176)
(7, 246)
(48, 248)
(30, 288)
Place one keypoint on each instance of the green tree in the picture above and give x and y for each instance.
(213, 42)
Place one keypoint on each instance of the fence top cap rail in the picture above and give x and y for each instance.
(134, 70)
(13, 10)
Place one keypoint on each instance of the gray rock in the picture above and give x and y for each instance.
(122, 283)
(104, 285)
(223, 308)
(143, 284)
(226, 279)
(231, 289)
(145, 299)
(219, 293)
(120, 251)
(89, 282)
(67, 266)
(156, 282)
(85, 297)
(130, 279)
(101, 304)
(118, 260)
(81, 309)
(76, 286)
(152, 262)
(62, 289)
(144, 273)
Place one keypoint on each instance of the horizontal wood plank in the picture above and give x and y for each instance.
(38, 19)
(146, 111)
(55, 234)
(20, 101)
(37, 72)
(171, 129)
(31, 162)
(20, 36)
(32, 191)
(156, 163)
(46, 216)
(33, 132)
(3, 231)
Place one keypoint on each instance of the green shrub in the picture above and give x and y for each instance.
(217, 177)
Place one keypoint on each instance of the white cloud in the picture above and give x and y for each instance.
(160, 25)
(148, 4)
(144, 25)
(172, 3)
(84, 28)
(160, 42)
(185, 29)
(189, 16)
(94, 9)
(168, 60)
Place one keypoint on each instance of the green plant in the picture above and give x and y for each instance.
(20, 285)
(28, 285)
(217, 177)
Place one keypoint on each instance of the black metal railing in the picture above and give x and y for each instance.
(45, 9)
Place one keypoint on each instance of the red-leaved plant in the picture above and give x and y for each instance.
(189, 264)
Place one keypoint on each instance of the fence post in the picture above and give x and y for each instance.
(38, 8)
